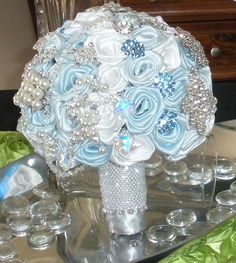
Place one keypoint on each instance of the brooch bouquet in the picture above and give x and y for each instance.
(111, 87)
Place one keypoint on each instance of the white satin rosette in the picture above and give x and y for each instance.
(107, 44)
(112, 76)
(141, 150)
(88, 22)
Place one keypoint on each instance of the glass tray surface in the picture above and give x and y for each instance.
(88, 238)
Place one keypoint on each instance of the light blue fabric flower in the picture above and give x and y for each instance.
(142, 71)
(89, 153)
(148, 106)
(68, 76)
(170, 143)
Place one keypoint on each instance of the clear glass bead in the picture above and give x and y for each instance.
(15, 205)
(175, 168)
(225, 169)
(40, 210)
(19, 224)
(5, 232)
(40, 237)
(161, 234)
(219, 214)
(226, 198)
(58, 223)
(181, 219)
(153, 165)
(7, 250)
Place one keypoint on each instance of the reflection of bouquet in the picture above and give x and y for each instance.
(115, 85)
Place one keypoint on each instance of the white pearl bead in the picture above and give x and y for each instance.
(38, 93)
(37, 105)
(44, 84)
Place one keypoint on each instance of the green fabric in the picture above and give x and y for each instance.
(13, 146)
(219, 246)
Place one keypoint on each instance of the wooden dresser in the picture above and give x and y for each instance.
(212, 22)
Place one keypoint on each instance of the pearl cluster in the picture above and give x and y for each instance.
(85, 55)
(199, 103)
(164, 81)
(195, 47)
(133, 48)
(88, 121)
(94, 84)
(32, 91)
(167, 122)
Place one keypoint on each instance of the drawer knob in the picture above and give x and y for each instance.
(216, 52)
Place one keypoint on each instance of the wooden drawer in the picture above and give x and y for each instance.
(185, 10)
(213, 36)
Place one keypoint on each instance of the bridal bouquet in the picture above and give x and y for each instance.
(115, 85)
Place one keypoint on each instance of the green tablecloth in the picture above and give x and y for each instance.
(13, 146)
(219, 246)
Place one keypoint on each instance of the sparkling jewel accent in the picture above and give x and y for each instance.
(155, 22)
(124, 108)
(32, 91)
(133, 48)
(167, 122)
(124, 141)
(164, 81)
(112, 7)
(126, 186)
(199, 103)
(195, 47)
(41, 43)
(126, 23)
(85, 55)
(44, 55)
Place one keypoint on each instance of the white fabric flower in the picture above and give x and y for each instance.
(107, 44)
(169, 51)
(112, 77)
(110, 123)
(88, 21)
(141, 150)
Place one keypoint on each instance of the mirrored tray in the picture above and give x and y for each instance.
(88, 238)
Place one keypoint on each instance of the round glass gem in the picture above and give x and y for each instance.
(59, 222)
(5, 232)
(181, 217)
(225, 169)
(15, 205)
(153, 165)
(40, 210)
(219, 214)
(175, 168)
(199, 174)
(226, 198)
(40, 237)
(7, 250)
(233, 186)
(19, 224)
(161, 234)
